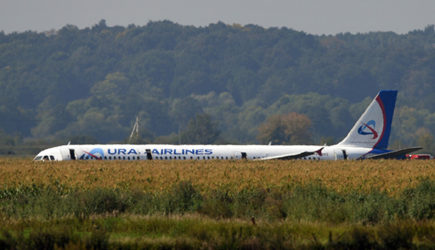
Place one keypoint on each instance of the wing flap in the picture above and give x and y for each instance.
(292, 156)
(394, 154)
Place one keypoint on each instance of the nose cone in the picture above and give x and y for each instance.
(51, 154)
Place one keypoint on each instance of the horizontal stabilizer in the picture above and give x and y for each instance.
(293, 156)
(394, 154)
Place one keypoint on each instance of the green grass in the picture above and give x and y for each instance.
(194, 231)
(313, 203)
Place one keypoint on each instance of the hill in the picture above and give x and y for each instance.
(90, 84)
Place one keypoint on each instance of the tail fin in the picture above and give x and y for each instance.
(372, 130)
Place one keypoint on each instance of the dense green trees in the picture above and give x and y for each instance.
(200, 130)
(95, 81)
(291, 128)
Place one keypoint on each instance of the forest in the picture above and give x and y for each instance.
(220, 83)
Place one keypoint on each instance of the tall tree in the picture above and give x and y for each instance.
(200, 130)
(291, 128)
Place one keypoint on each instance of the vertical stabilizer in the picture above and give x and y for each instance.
(372, 130)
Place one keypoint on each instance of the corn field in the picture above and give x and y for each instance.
(217, 204)
(387, 176)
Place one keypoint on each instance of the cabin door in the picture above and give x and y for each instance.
(244, 156)
(149, 155)
(72, 154)
(340, 154)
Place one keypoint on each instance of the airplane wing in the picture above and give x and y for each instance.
(394, 154)
(292, 156)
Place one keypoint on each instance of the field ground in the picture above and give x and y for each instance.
(217, 204)
(387, 176)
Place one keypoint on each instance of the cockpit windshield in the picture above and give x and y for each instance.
(44, 158)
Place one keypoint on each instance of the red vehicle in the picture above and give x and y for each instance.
(419, 157)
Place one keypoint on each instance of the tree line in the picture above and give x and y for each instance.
(238, 81)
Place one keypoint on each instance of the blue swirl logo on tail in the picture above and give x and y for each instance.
(368, 129)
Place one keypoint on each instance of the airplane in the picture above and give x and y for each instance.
(368, 139)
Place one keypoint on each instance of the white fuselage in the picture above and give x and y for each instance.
(368, 137)
(195, 152)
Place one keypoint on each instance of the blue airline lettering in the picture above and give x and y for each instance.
(121, 151)
(169, 151)
(132, 151)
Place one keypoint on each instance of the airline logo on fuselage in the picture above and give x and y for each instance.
(162, 151)
(169, 151)
(98, 153)
(368, 129)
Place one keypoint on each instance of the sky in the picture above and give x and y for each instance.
(311, 16)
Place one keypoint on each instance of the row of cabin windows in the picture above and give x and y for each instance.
(165, 157)
(193, 157)
(115, 158)
(311, 158)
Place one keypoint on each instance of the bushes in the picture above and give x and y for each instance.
(56, 237)
(98, 218)
(310, 203)
(193, 232)
(421, 200)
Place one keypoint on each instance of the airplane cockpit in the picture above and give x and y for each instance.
(51, 154)
(44, 158)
